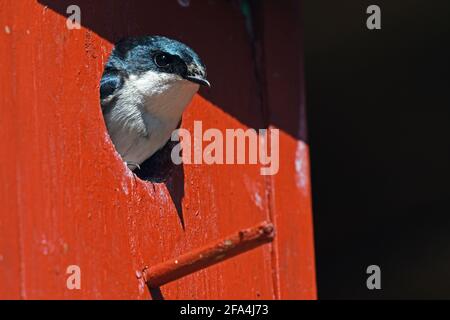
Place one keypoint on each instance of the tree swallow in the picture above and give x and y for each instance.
(146, 85)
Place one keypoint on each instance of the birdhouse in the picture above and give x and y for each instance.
(76, 223)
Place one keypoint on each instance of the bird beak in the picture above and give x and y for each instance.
(199, 80)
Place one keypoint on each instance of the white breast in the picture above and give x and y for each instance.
(147, 110)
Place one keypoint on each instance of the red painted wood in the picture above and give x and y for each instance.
(66, 197)
(240, 242)
(291, 187)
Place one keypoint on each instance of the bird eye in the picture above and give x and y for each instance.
(162, 59)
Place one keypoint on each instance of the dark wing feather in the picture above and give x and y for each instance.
(110, 83)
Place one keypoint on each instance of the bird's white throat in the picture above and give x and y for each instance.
(164, 94)
(148, 109)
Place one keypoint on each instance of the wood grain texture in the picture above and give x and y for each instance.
(67, 198)
(226, 248)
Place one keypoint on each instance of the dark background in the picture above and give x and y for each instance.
(379, 127)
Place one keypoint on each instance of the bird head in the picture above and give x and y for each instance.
(140, 55)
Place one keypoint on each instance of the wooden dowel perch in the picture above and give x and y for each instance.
(240, 242)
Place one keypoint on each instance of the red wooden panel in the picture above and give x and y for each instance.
(66, 198)
(291, 187)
